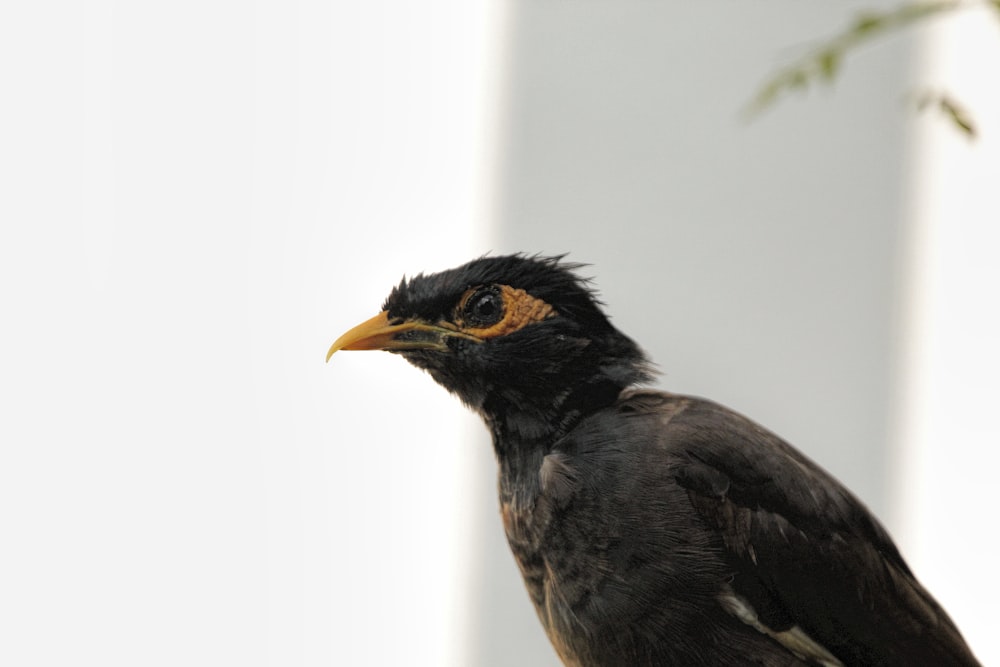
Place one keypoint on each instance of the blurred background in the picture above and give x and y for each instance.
(198, 197)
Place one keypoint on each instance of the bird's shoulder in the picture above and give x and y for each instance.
(716, 453)
(804, 553)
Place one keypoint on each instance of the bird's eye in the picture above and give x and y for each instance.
(484, 307)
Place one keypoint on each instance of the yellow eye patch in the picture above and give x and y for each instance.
(513, 309)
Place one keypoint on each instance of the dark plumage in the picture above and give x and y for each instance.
(652, 528)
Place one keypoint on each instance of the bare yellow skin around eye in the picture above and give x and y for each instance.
(520, 310)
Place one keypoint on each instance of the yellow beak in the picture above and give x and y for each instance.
(379, 334)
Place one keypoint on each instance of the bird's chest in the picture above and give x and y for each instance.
(563, 568)
(530, 531)
(525, 523)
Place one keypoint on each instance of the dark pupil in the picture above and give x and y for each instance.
(485, 308)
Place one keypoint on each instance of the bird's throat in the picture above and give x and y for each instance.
(521, 429)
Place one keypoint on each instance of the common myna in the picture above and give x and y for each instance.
(652, 528)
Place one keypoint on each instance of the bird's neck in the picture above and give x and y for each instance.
(525, 430)
(521, 441)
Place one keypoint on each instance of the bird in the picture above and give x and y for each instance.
(652, 528)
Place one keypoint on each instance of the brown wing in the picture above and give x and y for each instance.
(805, 552)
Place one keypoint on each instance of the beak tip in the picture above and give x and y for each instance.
(378, 334)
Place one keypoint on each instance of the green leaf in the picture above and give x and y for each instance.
(868, 23)
(958, 116)
(824, 63)
(952, 110)
(829, 63)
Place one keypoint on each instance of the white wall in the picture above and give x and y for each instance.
(197, 198)
(947, 439)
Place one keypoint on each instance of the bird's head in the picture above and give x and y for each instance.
(512, 336)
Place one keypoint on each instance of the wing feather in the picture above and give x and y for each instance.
(805, 553)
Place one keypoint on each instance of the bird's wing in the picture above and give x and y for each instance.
(806, 555)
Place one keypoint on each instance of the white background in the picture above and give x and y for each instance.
(196, 198)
